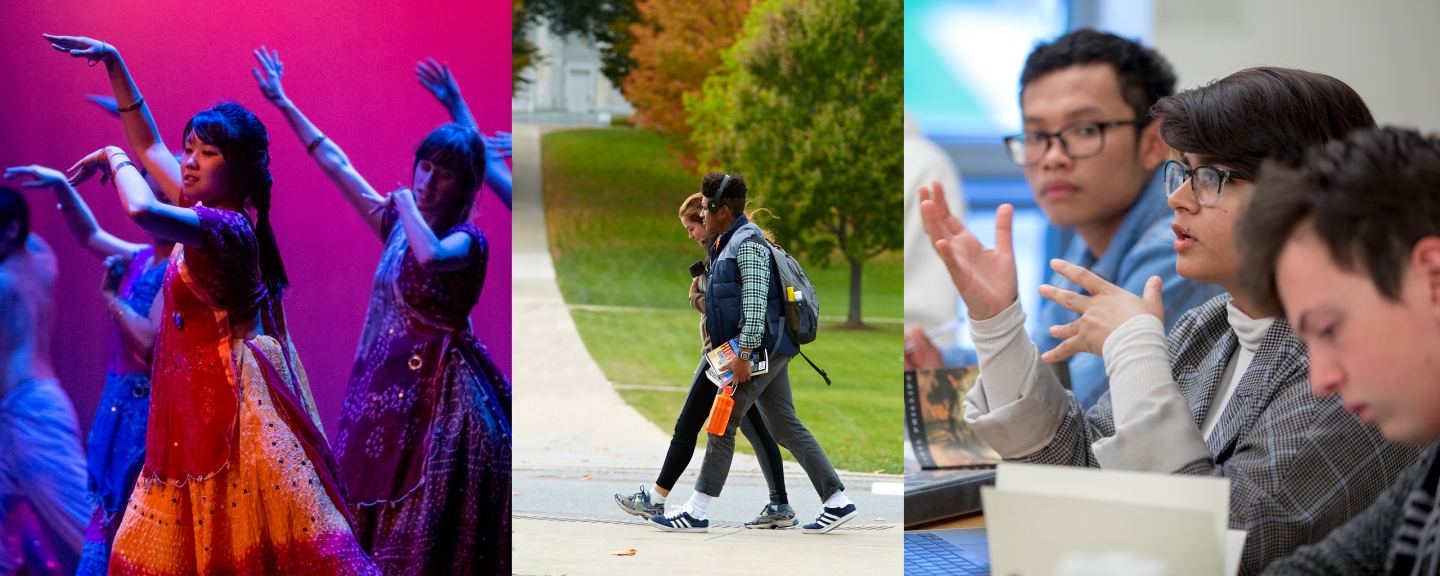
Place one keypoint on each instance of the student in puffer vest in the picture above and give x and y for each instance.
(743, 299)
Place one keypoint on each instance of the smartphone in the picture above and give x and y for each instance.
(697, 269)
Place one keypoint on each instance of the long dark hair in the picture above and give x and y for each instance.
(459, 150)
(245, 144)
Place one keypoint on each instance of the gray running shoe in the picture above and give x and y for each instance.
(774, 516)
(639, 504)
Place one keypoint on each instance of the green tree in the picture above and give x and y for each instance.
(807, 104)
(604, 22)
(523, 53)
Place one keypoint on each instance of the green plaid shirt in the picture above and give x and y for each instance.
(753, 259)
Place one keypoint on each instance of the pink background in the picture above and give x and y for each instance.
(349, 66)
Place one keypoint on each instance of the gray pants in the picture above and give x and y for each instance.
(771, 393)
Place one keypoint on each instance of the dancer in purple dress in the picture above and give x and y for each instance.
(424, 437)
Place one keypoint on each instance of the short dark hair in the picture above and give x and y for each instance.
(13, 208)
(457, 148)
(1144, 75)
(1369, 197)
(1258, 113)
(734, 196)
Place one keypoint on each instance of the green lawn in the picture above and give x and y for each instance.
(611, 201)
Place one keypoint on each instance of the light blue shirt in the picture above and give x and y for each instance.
(1142, 247)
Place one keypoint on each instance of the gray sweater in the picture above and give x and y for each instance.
(1378, 541)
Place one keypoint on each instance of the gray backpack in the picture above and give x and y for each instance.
(802, 315)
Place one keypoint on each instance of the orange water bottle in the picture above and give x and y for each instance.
(720, 412)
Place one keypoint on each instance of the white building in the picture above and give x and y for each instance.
(566, 87)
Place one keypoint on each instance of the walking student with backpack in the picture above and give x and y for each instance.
(747, 297)
(650, 501)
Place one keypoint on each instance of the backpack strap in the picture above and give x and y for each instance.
(817, 368)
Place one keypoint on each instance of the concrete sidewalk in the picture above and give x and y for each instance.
(577, 442)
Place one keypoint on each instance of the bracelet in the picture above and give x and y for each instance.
(310, 148)
(103, 46)
(134, 106)
(116, 171)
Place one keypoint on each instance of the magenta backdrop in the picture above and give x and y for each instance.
(348, 65)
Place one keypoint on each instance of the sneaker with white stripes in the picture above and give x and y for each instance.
(830, 519)
(679, 521)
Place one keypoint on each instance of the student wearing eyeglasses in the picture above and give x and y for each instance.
(1227, 393)
(1092, 156)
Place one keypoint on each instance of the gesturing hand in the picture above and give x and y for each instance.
(97, 161)
(984, 277)
(40, 176)
(115, 267)
(269, 79)
(81, 47)
(436, 78)
(1101, 313)
(497, 146)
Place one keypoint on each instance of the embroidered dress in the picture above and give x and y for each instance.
(116, 447)
(425, 432)
(237, 473)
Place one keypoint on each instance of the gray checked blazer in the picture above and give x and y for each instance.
(1299, 465)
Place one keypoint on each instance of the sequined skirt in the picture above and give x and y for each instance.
(265, 512)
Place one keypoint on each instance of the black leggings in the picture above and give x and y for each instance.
(687, 431)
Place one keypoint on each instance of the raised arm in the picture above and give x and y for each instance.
(437, 78)
(161, 220)
(362, 197)
(78, 217)
(140, 129)
(431, 252)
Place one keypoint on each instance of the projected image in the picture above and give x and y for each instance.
(963, 60)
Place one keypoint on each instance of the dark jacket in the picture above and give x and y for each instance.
(724, 315)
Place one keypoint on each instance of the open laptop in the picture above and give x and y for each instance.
(962, 551)
(937, 495)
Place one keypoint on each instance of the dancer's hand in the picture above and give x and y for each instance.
(106, 102)
(1106, 309)
(81, 47)
(267, 77)
(41, 177)
(984, 277)
(115, 266)
(436, 78)
(497, 146)
(97, 161)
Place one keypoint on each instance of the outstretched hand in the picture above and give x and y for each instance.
(40, 176)
(267, 77)
(436, 78)
(97, 161)
(1101, 313)
(80, 47)
(985, 277)
(497, 146)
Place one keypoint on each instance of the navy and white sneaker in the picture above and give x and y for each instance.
(639, 504)
(679, 521)
(774, 516)
(831, 518)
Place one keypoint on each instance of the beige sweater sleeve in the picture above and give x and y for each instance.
(1017, 403)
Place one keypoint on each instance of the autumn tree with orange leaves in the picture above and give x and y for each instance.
(676, 45)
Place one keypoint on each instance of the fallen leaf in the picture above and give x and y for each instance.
(514, 493)
(752, 468)
(630, 552)
(585, 477)
(585, 460)
(524, 461)
(564, 477)
(880, 471)
(878, 519)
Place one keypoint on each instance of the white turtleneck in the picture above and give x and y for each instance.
(1250, 332)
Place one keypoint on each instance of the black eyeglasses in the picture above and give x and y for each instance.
(1081, 140)
(1205, 181)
